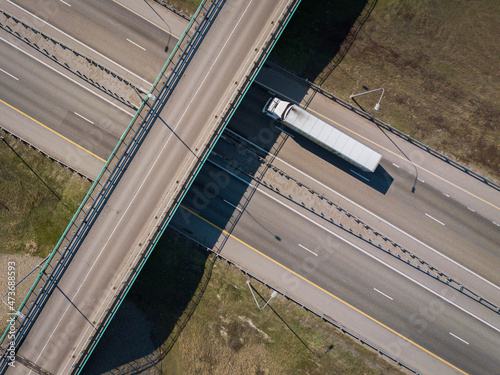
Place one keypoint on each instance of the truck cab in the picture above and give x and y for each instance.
(275, 108)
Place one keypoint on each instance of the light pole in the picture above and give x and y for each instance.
(377, 106)
(274, 294)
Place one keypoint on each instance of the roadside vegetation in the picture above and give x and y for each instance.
(37, 199)
(188, 7)
(436, 60)
(224, 332)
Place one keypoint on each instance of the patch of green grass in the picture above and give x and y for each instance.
(37, 199)
(226, 333)
(436, 60)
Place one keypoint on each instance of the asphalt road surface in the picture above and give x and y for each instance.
(106, 27)
(468, 236)
(55, 97)
(337, 262)
(149, 185)
(425, 221)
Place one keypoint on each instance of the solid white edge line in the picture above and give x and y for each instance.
(83, 44)
(385, 264)
(433, 218)
(436, 175)
(385, 295)
(65, 76)
(378, 217)
(137, 192)
(459, 338)
(135, 44)
(368, 254)
(17, 79)
(305, 248)
(86, 119)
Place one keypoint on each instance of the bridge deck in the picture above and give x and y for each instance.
(153, 183)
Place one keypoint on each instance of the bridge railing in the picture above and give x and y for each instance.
(390, 128)
(163, 88)
(101, 189)
(120, 158)
(218, 125)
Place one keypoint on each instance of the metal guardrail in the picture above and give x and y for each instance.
(172, 9)
(304, 306)
(184, 54)
(229, 111)
(392, 129)
(398, 251)
(117, 163)
(325, 318)
(419, 264)
(27, 143)
(64, 64)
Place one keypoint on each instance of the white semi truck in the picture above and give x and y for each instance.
(323, 134)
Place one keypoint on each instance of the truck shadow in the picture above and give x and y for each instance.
(380, 180)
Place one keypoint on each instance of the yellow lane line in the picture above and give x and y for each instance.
(399, 156)
(323, 290)
(53, 131)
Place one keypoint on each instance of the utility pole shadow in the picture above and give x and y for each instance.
(36, 174)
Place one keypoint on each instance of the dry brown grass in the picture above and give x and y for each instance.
(188, 7)
(227, 334)
(438, 63)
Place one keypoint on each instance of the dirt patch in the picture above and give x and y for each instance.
(22, 264)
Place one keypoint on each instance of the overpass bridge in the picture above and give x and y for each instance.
(109, 239)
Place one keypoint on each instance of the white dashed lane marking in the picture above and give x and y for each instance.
(305, 248)
(433, 218)
(135, 44)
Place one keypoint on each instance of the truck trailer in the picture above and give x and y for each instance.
(323, 134)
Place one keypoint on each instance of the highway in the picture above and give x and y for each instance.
(387, 201)
(333, 260)
(468, 237)
(54, 96)
(165, 159)
(102, 28)
(54, 109)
